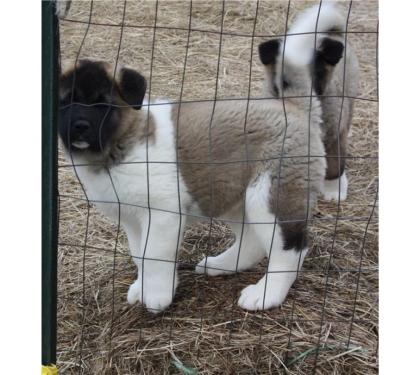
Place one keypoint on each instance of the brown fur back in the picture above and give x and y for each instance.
(238, 157)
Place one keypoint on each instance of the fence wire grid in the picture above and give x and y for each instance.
(207, 51)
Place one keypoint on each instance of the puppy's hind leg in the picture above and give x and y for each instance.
(285, 252)
(335, 189)
(336, 182)
(242, 255)
(271, 290)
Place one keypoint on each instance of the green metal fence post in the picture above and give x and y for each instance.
(49, 182)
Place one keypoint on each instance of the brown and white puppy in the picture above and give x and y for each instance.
(336, 90)
(153, 168)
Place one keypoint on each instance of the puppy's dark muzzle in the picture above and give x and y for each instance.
(80, 128)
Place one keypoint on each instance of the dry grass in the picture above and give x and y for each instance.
(203, 328)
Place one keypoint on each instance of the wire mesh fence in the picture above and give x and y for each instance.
(197, 52)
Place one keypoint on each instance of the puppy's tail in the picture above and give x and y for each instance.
(322, 18)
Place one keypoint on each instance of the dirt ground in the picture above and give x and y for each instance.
(329, 322)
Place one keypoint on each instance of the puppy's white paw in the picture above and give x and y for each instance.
(212, 267)
(133, 294)
(335, 189)
(157, 300)
(253, 297)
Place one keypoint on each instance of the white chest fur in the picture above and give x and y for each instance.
(147, 177)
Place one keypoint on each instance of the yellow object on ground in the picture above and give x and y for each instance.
(49, 370)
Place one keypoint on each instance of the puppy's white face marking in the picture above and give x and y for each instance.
(80, 144)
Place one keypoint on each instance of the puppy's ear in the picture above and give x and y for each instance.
(268, 51)
(132, 87)
(331, 51)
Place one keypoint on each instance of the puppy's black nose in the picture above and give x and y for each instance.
(80, 126)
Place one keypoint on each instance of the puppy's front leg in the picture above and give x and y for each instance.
(154, 248)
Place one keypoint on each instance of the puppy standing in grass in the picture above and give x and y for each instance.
(328, 61)
(217, 160)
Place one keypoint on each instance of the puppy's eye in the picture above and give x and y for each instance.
(63, 101)
(100, 99)
(285, 84)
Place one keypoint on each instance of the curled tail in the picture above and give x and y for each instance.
(322, 18)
